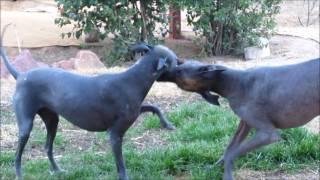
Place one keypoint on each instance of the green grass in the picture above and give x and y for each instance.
(190, 151)
(38, 138)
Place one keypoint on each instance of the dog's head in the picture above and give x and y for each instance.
(166, 60)
(193, 75)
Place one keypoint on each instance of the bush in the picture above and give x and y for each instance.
(128, 21)
(227, 26)
(230, 25)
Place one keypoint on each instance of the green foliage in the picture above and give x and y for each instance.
(227, 26)
(127, 21)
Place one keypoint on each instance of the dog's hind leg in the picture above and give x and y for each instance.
(164, 122)
(262, 137)
(51, 120)
(25, 117)
(238, 137)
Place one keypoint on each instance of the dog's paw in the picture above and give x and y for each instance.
(170, 127)
(57, 171)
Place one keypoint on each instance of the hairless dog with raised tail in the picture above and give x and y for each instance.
(266, 99)
(95, 103)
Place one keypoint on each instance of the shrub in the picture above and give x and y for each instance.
(230, 25)
(227, 26)
(128, 21)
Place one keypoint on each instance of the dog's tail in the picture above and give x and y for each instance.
(11, 69)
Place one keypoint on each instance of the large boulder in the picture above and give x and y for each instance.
(87, 60)
(23, 63)
(65, 64)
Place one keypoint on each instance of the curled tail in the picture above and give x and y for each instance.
(4, 56)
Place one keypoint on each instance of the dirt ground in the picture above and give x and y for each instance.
(34, 29)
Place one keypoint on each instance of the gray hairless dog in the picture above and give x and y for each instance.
(95, 103)
(266, 99)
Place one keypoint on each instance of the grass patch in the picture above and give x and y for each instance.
(297, 149)
(202, 133)
(39, 138)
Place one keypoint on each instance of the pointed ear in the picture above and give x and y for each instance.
(207, 68)
(150, 46)
(220, 68)
(162, 63)
(210, 71)
(141, 48)
(211, 98)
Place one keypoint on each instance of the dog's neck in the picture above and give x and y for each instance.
(228, 83)
(142, 74)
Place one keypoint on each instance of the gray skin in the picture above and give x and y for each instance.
(108, 102)
(265, 99)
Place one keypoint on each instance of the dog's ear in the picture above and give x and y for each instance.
(210, 71)
(205, 68)
(141, 48)
(150, 46)
(162, 63)
(210, 98)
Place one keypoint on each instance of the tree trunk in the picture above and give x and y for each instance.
(217, 27)
(144, 31)
(175, 22)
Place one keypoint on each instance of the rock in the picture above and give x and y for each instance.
(87, 60)
(64, 64)
(23, 63)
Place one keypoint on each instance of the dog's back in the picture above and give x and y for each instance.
(70, 95)
(287, 93)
